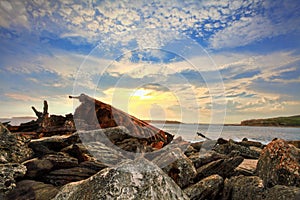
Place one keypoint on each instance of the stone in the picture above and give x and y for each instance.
(108, 155)
(37, 167)
(296, 143)
(279, 164)
(181, 170)
(93, 164)
(248, 143)
(13, 148)
(190, 150)
(200, 158)
(78, 151)
(208, 188)
(8, 173)
(244, 151)
(134, 145)
(32, 190)
(222, 167)
(53, 144)
(137, 179)
(197, 145)
(281, 192)
(61, 160)
(243, 187)
(63, 176)
(247, 167)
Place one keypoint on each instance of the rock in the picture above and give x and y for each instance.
(281, 192)
(13, 148)
(248, 143)
(197, 145)
(200, 158)
(78, 151)
(53, 144)
(61, 160)
(257, 149)
(181, 170)
(32, 190)
(222, 167)
(134, 145)
(243, 187)
(109, 156)
(279, 164)
(63, 176)
(296, 143)
(247, 167)
(227, 148)
(93, 164)
(8, 173)
(208, 188)
(190, 150)
(138, 179)
(37, 167)
(208, 145)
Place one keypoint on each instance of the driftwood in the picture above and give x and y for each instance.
(202, 135)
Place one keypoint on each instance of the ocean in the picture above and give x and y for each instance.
(237, 133)
(189, 131)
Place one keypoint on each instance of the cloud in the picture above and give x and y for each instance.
(274, 21)
(117, 24)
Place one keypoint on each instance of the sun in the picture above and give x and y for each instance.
(141, 94)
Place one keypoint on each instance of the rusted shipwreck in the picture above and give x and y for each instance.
(89, 115)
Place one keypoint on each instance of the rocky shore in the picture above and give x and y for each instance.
(82, 165)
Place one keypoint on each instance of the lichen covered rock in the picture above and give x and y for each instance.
(279, 164)
(13, 148)
(8, 173)
(138, 179)
(207, 188)
(243, 187)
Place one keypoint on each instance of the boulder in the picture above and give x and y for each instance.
(279, 164)
(200, 158)
(13, 148)
(78, 151)
(247, 167)
(8, 173)
(63, 176)
(37, 167)
(208, 188)
(233, 148)
(108, 155)
(249, 143)
(53, 144)
(32, 190)
(181, 170)
(222, 167)
(296, 143)
(282, 192)
(197, 145)
(137, 179)
(93, 164)
(243, 187)
(190, 150)
(61, 160)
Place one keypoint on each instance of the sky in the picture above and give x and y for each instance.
(191, 61)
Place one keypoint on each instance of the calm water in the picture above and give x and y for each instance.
(188, 131)
(262, 134)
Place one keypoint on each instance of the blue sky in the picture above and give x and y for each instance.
(193, 61)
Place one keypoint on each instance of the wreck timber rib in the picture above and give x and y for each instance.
(93, 114)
